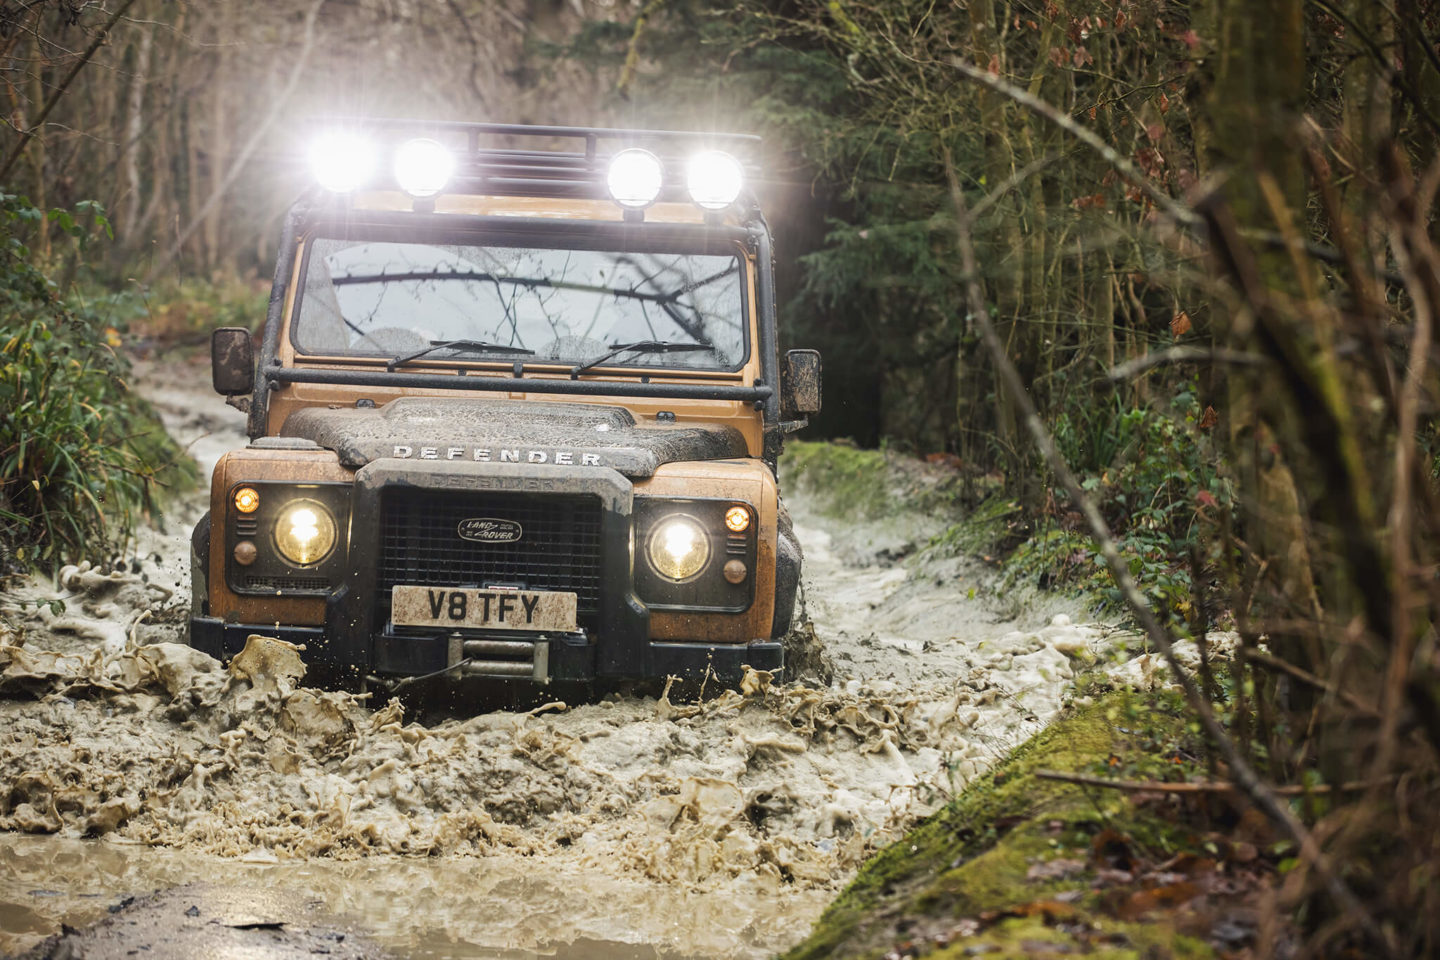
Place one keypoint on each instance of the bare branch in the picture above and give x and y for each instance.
(1163, 358)
(1242, 772)
(96, 43)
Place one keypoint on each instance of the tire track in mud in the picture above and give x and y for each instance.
(753, 806)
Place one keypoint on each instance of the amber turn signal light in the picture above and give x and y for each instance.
(247, 499)
(737, 519)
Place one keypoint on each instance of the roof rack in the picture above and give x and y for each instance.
(540, 172)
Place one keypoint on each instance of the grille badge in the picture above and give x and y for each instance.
(489, 530)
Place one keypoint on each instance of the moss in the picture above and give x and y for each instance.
(1027, 938)
(986, 529)
(973, 857)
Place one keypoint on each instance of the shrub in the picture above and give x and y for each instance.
(81, 456)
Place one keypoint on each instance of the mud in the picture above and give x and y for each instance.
(717, 828)
(211, 920)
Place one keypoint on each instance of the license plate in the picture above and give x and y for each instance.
(482, 609)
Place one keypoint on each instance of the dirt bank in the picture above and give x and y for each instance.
(746, 811)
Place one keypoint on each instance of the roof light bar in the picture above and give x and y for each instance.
(342, 162)
(634, 178)
(423, 167)
(714, 179)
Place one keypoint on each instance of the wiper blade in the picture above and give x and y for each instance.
(639, 346)
(481, 346)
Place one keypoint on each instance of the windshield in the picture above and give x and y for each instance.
(386, 298)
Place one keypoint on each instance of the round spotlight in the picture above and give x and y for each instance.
(423, 167)
(634, 178)
(737, 519)
(305, 533)
(678, 548)
(342, 162)
(714, 179)
(247, 499)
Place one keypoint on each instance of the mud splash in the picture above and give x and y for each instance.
(747, 809)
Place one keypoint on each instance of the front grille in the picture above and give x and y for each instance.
(559, 547)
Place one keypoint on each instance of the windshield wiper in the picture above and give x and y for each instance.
(481, 346)
(638, 346)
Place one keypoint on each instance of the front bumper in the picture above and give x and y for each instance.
(565, 658)
(357, 639)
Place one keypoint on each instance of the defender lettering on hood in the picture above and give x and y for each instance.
(487, 455)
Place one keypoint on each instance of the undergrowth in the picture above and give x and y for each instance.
(1152, 471)
(1154, 475)
(81, 456)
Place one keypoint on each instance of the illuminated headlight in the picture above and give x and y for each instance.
(342, 162)
(423, 167)
(714, 179)
(305, 532)
(634, 178)
(678, 548)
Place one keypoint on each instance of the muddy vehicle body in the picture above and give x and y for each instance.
(516, 414)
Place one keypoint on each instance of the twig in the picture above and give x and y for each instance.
(1162, 358)
(1207, 786)
(1177, 212)
(96, 43)
(1124, 167)
(1245, 777)
(1306, 677)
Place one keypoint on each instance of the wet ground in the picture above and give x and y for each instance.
(633, 827)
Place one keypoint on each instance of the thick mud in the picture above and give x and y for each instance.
(717, 828)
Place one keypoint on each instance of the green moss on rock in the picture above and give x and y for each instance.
(973, 858)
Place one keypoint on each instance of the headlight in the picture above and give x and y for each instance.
(714, 179)
(305, 532)
(634, 178)
(342, 162)
(678, 548)
(423, 167)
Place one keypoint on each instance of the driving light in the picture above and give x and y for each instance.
(423, 167)
(305, 533)
(714, 179)
(342, 162)
(678, 548)
(737, 519)
(634, 178)
(247, 499)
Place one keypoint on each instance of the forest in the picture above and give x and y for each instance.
(1152, 283)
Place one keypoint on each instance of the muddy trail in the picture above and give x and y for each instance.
(635, 826)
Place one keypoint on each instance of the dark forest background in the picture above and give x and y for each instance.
(1200, 233)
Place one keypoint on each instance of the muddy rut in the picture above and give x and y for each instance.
(717, 828)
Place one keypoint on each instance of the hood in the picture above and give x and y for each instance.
(510, 431)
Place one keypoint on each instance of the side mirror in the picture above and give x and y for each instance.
(232, 361)
(800, 384)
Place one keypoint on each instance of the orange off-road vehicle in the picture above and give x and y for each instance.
(516, 414)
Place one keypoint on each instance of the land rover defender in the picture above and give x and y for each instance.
(516, 414)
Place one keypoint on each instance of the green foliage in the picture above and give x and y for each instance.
(1155, 476)
(80, 455)
(849, 482)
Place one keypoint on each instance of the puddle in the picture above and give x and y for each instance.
(421, 908)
